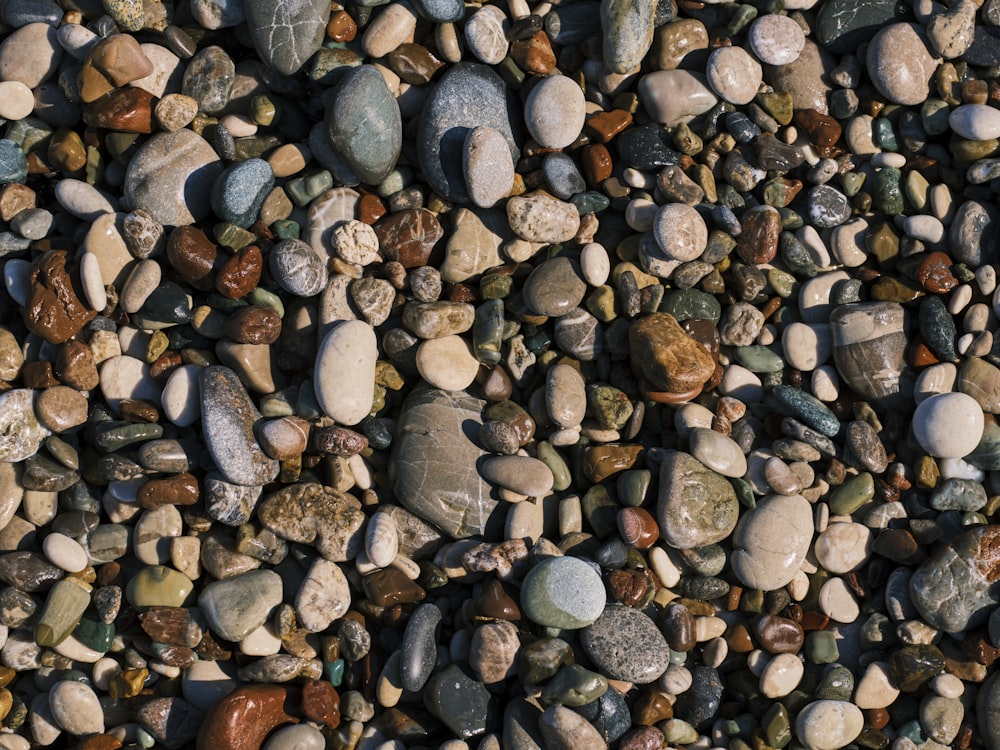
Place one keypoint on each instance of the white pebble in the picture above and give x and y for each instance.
(16, 100)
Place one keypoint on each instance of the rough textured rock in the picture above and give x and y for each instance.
(696, 505)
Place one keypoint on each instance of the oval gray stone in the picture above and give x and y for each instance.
(235, 607)
(434, 464)
(467, 96)
(626, 645)
(363, 124)
(286, 33)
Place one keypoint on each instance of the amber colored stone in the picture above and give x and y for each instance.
(778, 635)
(320, 702)
(192, 256)
(604, 126)
(66, 151)
(54, 310)
(38, 375)
(630, 587)
(127, 684)
(14, 198)
(493, 602)
(253, 325)
(534, 54)
(390, 586)
(371, 208)
(409, 236)
(812, 620)
(822, 130)
(342, 27)
(128, 110)
(38, 164)
(738, 638)
(414, 63)
(244, 718)
(668, 397)
(138, 410)
(666, 357)
(651, 708)
(603, 461)
(165, 363)
(75, 366)
(180, 489)
(935, 275)
(876, 718)
(99, 742)
(918, 354)
(597, 164)
(240, 275)
(638, 528)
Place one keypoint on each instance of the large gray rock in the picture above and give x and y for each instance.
(626, 645)
(228, 416)
(286, 33)
(956, 588)
(433, 466)
(467, 96)
(363, 124)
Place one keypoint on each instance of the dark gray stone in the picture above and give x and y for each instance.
(467, 96)
(419, 649)
(700, 703)
(842, 25)
(286, 33)
(363, 124)
(440, 11)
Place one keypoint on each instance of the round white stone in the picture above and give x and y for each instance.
(776, 39)
(977, 122)
(843, 547)
(828, 724)
(447, 363)
(781, 675)
(555, 111)
(76, 708)
(734, 75)
(64, 552)
(680, 232)
(948, 425)
(16, 100)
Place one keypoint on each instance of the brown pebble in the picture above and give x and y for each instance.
(935, 275)
(597, 164)
(630, 587)
(414, 63)
(138, 410)
(253, 325)
(678, 627)
(193, 256)
(778, 635)
(822, 130)
(409, 236)
(371, 209)
(54, 309)
(180, 489)
(603, 461)
(66, 151)
(341, 27)
(340, 441)
(738, 639)
(638, 528)
(642, 738)
(38, 375)
(14, 198)
(128, 109)
(75, 366)
(390, 586)
(604, 126)
(534, 54)
(651, 708)
(758, 242)
(320, 702)
(175, 626)
(240, 274)
(242, 719)
(666, 357)
(493, 602)
(100, 742)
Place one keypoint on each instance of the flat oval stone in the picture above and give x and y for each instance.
(239, 192)
(555, 287)
(363, 124)
(345, 372)
(520, 474)
(171, 176)
(771, 540)
(900, 65)
(298, 268)
(955, 588)
(228, 415)
(675, 96)
(434, 463)
(696, 506)
(235, 607)
(717, 452)
(486, 166)
(286, 34)
(76, 708)
(828, 724)
(626, 645)
(977, 122)
(563, 592)
(419, 652)
(554, 111)
(680, 232)
(467, 96)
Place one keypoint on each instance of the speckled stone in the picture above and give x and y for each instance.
(626, 645)
(696, 505)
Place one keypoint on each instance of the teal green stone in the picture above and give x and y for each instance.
(743, 16)
(633, 486)
(363, 124)
(888, 192)
(302, 190)
(95, 635)
(590, 202)
(808, 409)
(691, 304)
(758, 359)
(574, 686)
(795, 256)
(458, 700)
(487, 331)
(263, 298)
(113, 436)
(511, 73)
(843, 25)
(934, 115)
(884, 134)
(547, 454)
(837, 684)
(286, 229)
(744, 492)
(13, 164)
(912, 731)
(168, 303)
(821, 647)
(852, 494)
(334, 671)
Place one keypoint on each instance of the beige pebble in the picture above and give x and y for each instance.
(16, 100)
(837, 602)
(261, 642)
(734, 75)
(323, 597)
(900, 64)
(843, 547)
(781, 675)
(675, 96)
(93, 282)
(389, 29)
(356, 242)
(142, 280)
(447, 363)
(381, 540)
(175, 111)
(776, 39)
(64, 552)
(289, 159)
(875, 689)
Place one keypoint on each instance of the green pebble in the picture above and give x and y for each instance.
(852, 494)
(777, 726)
(540, 659)
(741, 18)
(590, 202)
(263, 298)
(837, 684)
(511, 73)
(255, 146)
(691, 304)
(487, 331)
(334, 671)
(232, 236)
(884, 134)
(112, 436)
(609, 406)
(95, 635)
(64, 606)
(302, 190)
(758, 359)
(601, 303)
(495, 285)
(782, 282)
(574, 686)
(887, 193)
(821, 647)
(397, 179)
(286, 229)
(632, 486)
(934, 115)
(547, 454)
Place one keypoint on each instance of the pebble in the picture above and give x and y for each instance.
(285, 36)
(75, 708)
(734, 74)
(696, 506)
(626, 645)
(776, 39)
(758, 559)
(900, 64)
(346, 352)
(554, 112)
(235, 607)
(948, 425)
(563, 592)
(487, 166)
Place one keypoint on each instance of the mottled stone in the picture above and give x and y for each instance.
(626, 645)
(363, 124)
(696, 506)
(313, 514)
(286, 34)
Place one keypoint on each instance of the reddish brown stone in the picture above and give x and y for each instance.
(341, 28)
(253, 325)
(137, 410)
(414, 63)
(181, 657)
(100, 742)
(128, 109)
(240, 275)
(38, 375)
(165, 363)
(244, 718)
(390, 586)
(876, 718)
(75, 366)
(822, 130)
(54, 309)
(935, 275)
(409, 236)
(758, 242)
(738, 639)
(630, 587)
(340, 441)
(652, 708)
(180, 489)
(371, 209)
(604, 126)
(666, 357)
(494, 603)
(320, 702)
(534, 54)
(596, 162)
(678, 627)
(643, 738)
(603, 461)
(192, 256)
(638, 528)
(778, 635)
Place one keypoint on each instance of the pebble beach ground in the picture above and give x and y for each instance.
(511, 376)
